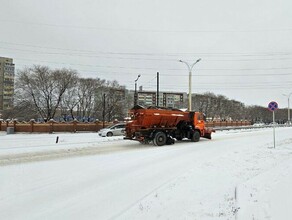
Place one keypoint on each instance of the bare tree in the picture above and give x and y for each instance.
(69, 102)
(116, 103)
(45, 87)
(22, 111)
(86, 93)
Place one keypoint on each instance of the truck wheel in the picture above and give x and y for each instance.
(196, 136)
(159, 139)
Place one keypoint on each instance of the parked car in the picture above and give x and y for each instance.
(113, 130)
(258, 124)
(273, 123)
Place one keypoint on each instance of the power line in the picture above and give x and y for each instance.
(91, 56)
(224, 87)
(135, 58)
(147, 30)
(227, 85)
(165, 69)
(153, 54)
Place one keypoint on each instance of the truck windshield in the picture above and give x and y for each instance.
(201, 117)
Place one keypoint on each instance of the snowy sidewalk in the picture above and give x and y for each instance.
(267, 196)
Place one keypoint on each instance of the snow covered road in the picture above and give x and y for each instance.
(110, 178)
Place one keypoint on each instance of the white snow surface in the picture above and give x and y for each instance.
(236, 175)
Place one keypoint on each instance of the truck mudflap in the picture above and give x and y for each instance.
(136, 137)
(133, 138)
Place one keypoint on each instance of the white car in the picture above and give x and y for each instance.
(113, 130)
(258, 124)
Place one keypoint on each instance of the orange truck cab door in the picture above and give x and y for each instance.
(199, 122)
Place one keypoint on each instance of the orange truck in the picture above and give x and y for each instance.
(162, 126)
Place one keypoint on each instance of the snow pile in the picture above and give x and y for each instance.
(268, 195)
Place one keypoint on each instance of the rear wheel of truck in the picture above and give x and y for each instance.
(196, 136)
(159, 139)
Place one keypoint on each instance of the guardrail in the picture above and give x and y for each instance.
(214, 124)
(248, 127)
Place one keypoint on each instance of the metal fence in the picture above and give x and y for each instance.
(52, 126)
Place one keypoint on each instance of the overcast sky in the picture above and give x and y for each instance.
(245, 46)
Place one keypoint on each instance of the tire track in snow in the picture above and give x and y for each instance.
(63, 153)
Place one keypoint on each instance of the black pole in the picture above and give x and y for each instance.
(157, 95)
(109, 109)
(135, 94)
(103, 110)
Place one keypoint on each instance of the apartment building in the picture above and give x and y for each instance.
(166, 99)
(7, 70)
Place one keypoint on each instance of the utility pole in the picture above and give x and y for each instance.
(103, 110)
(136, 94)
(157, 93)
(289, 119)
(190, 67)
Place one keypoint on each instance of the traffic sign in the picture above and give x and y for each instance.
(273, 106)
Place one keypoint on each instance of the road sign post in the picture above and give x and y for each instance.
(273, 106)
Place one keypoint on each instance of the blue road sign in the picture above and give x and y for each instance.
(273, 106)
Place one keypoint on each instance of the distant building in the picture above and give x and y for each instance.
(7, 70)
(166, 99)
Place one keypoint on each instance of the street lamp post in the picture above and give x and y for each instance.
(288, 106)
(190, 67)
(135, 94)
